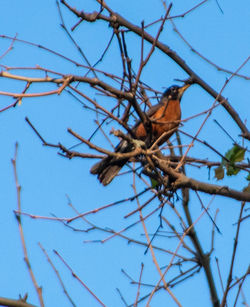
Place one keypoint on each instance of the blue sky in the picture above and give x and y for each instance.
(46, 178)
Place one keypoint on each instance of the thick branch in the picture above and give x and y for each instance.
(182, 181)
(14, 303)
(204, 258)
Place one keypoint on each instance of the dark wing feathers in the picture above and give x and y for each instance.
(109, 167)
(150, 113)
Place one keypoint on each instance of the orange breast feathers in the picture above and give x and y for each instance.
(165, 119)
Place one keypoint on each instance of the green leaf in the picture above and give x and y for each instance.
(232, 170)
(219, 172)
(248, 177)
(223, 162)
(235, 154)
(154, 183)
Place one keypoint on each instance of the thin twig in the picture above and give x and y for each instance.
(78, 279)
(229, 279)
(139, 286)
(152, 251)
(57, 274)
(18, 217)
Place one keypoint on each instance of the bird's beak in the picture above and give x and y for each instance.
(182, 89)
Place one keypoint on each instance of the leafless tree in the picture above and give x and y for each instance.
(161, 177)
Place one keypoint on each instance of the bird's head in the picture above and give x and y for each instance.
(175, 92)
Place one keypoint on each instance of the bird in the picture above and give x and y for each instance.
(164, 117)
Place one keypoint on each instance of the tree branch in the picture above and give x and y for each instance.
(182, 181)
(116, 18)
(14, 303)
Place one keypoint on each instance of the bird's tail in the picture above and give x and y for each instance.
(107, 170)
(109, 167)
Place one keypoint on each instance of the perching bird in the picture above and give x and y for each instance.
(164, 117)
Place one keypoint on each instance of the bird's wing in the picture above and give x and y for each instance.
(150, 113)
(154, 109)
(109, 167)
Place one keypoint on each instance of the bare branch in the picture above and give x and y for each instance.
(115, 17)
(78, 279)
(14, 303)
(229, 280)
(18, 217)
(182, 181)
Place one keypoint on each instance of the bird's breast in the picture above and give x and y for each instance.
(165, 119)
